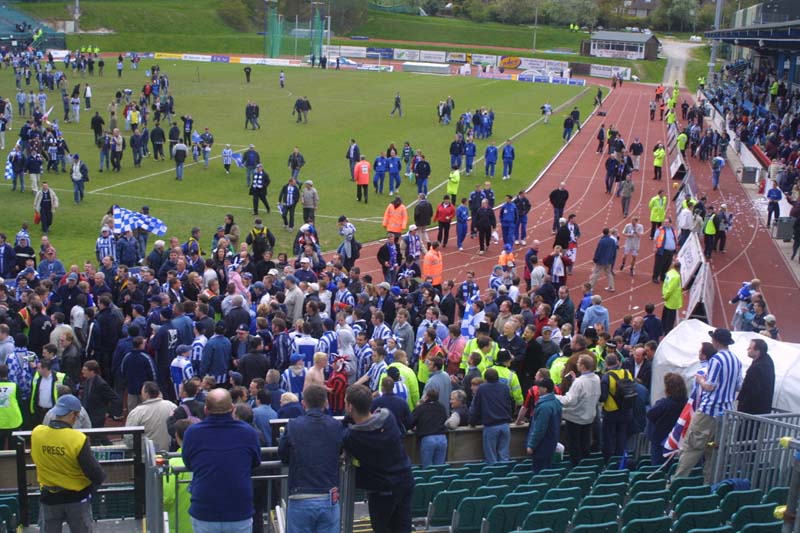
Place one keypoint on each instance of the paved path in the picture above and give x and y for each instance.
(677, 54)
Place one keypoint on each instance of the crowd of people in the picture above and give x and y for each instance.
(205, 346)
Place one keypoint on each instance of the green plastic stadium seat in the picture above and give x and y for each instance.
(531, 498)
(764, 527)
(777, 495)
(555, 519)
(753, 514)
(616, 476)
(697, 504)
(425, 474)
(662, 524)
(652, 495)
(561, 472)
(543, 530)
(498, 490)
(511, 481)
(602, 499)
(471, 484)
(611, 488)
(637, 509)
(483, 476)
(440, 511)
(474, 467)
(460, 471)
(720, 529)
(595, 514)
(683, 492)
(469, 514)
(736, 499)
(555, 494)
(422, 496)
(503, 518)
(541, 487)
(584, 484)
(647, 485)
(498, 470)
(705, 519)
(444, 478)
(680, 482)
(604, 527)
(551, 479)
(562, 503)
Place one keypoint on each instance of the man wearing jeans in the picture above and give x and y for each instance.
(558, 199)
(492, 407)
(718, 386)
(580, 408)
(311, 447)
(221, 453)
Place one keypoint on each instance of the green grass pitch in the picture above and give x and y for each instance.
(345, 104)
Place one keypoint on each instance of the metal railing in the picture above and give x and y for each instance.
(748, 446)
(135, 462)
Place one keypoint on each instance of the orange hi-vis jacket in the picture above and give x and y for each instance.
(432, 266)
(395, 219)
(361, 172)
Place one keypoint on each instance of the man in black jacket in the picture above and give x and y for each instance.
(758, 386)
(353, 155)
(423, 213)
(157, 140)
(390, 260)
(109, 325)
(174, 136)
(640, 367)
(287, 199)
(485, 222)
(98, 397)
(558, 199)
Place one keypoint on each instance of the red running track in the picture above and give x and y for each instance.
(750, 251)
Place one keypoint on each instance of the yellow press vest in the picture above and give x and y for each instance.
(709, 228)
(610, 404)
(10, 413)
(55, 453)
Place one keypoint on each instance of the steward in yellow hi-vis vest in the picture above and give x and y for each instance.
(66, 470)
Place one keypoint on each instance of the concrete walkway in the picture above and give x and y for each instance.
(677, 54)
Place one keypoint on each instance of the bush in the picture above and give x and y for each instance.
(514, 11)
(235, 14)
(476, 10)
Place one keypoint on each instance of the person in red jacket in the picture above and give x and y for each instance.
(444, 215)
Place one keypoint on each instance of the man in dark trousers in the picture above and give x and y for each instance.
(287, 199)
(157, 140)
(98, 397)
(247, 72)
(258, 189)
(384, 470)
(758, 386)
(576, 117)
(558, 199)
(353, 155)
(174, 136)
(397, 106)
(546, 429)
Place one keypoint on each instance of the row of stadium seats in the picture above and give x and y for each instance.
(503, 497)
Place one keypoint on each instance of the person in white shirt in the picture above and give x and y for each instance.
(633, 232)
(152, 413)
(580, 409)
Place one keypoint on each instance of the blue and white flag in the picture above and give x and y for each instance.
(237, 158)
(9, 174)
(196, 137)
(467, 328)
(125, 219)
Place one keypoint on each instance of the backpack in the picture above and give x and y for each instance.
(625, 394)
(189, 416)
(260, 239)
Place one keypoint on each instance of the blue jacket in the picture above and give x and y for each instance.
(462, 214)
(398, 407)
(261, 417)
(508, 214)
(492, 405)
(470, 149)
(606, 251)
(380, 164)
(275, 393)
(128, 251)
(137, 367)
(491, 154)
(311, 447)
(383, 463)
(508, 152)
(216, 356)
(393, 165)
(221, 453)
(544, 435)
(595, 314)
(774, 194)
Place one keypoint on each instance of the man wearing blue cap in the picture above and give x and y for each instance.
(66, 470)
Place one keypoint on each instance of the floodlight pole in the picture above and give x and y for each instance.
(77, 14)
(714, 44)
(535, 22)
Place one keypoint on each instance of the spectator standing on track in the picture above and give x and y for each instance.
(523, 208)
(666, 244)
(569, 124)
(633, 232)
(509, 219)
(718, 390)
(384, 470)
(558, 199)
(485, 222)
(659, 153)
(605, 255)
(658, 211)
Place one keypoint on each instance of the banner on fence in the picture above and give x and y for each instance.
(458, 57)
(523, 63)
(382, 53)
(609, 71)
(691, 257)
(58, 54)
(433, 57)
(497, 76)
(379, 68)
(331, 51)
(697, 290)
(484, 59)
(556, 66)
(406, 55)
(220, 59)
(166, 55)
(352, 51)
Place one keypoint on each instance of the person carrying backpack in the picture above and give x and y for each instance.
(618, 398)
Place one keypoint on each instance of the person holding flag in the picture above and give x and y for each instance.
(718, 391)
(666, 421)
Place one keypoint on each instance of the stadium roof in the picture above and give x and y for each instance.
(622, 36)
(777, 36)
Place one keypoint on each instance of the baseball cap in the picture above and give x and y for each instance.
(138, 308)
(384, 285)
(105, 229)
(273, 272)
(412, 227)
(236, 376)
(67, 404)
(242, 327)
(295, 357)
(305, 260)
(72, 276)
(722, 336)
(183, 348)
(314, 287)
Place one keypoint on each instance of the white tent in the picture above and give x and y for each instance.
(678, 353)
